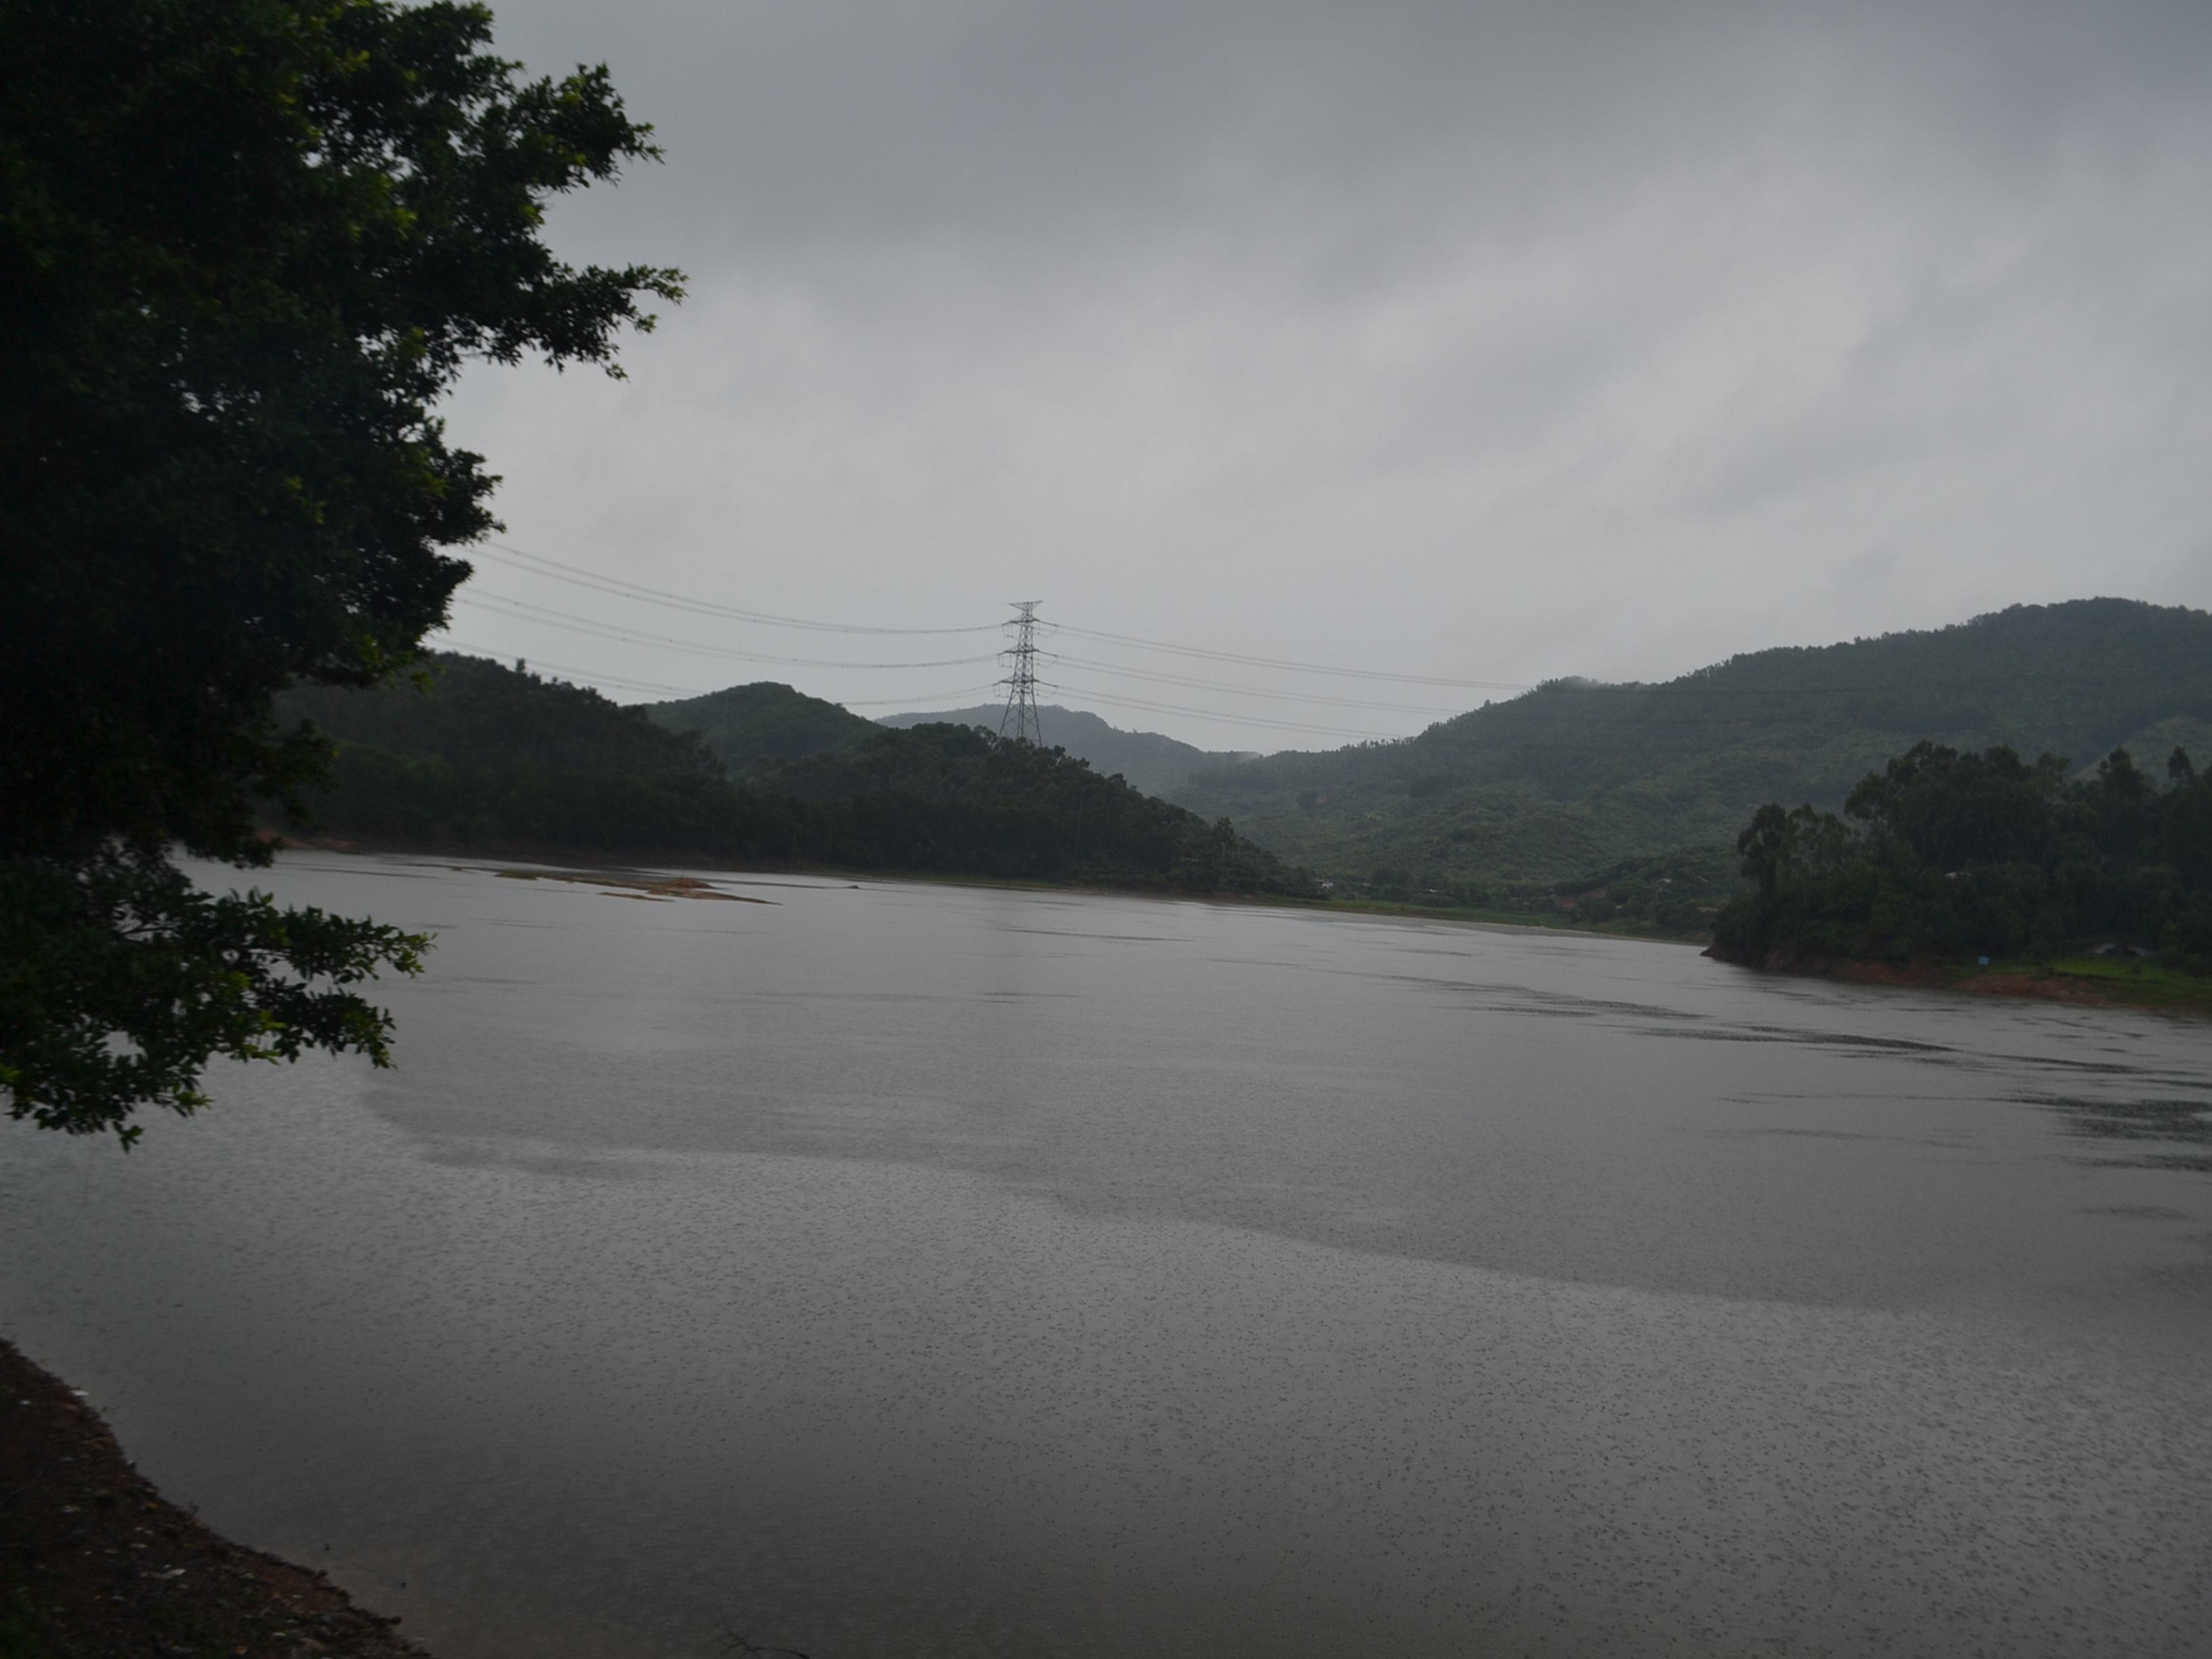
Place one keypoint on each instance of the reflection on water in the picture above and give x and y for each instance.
(2163, 1124)
(908, 1270)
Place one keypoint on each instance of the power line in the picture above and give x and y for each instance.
(590, 676)
(1248, 692)
(540, 564)
(1208, 714)
(909, 702)
(537, 564)
(1021, 679)
(575, 624)
(594, 677)
(1282, 662)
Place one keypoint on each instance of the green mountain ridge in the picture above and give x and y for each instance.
(1150, 761)
(470, 711)
(1576, 773)
(749, 727)
(475, 756)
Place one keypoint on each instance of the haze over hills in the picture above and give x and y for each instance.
(748, 727)
(478, 757)
(1156, 764)
(1622, 800)
(1577, 774)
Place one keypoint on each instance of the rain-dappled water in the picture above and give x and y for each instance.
(901, 1270)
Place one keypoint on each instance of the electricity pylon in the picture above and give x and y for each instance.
(1020, 720)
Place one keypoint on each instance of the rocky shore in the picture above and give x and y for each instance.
(94, 1564)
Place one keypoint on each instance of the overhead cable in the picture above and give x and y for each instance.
(1208, 714)
(590, 676)
(594, 677)
(906, 704)
(563, 619)
(1248, 692)
(1283, 662)
(538, 613)
(539, 565)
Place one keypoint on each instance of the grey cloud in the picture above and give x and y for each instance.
(1624, 336)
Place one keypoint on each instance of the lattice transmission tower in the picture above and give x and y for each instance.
(1020, 720)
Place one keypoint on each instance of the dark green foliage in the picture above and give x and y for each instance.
(1670, 895)
(1157, 765)
(746, 726)
(474, 754)
(245, 245)
(435, 771)
(956, 798)
(122, 979)
(1953, 855)
(426, 801)
(1576, 776)
(472, 711)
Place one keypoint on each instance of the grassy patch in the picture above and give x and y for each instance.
(2140, 984)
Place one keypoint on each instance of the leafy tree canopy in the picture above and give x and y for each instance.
(245, 245)
(1954, 854)
(472, 711)
(750, 727)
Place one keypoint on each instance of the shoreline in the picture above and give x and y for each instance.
(2153, 990)
(94, 1562)
(582, 862)
(2079, 982)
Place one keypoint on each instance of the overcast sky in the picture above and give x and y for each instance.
(1486, 343)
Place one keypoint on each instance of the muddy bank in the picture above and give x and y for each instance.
(94, 1564)
(1914, 976)
(2164, 991)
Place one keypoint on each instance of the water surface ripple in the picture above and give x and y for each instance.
(917, 1270)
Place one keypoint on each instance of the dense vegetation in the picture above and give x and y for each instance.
(956, 797)
(1944, 855)
(488, 758)
(472, 712)
(246, 246)
(1576, 776)
(1669, 895)
(749, 726)
(1157, 765)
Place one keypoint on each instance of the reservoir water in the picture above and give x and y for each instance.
(897, 1270)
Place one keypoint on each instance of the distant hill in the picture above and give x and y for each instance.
(746, 726)
(488, 759)
(943, 796)
(1576, 775)
(470, 711)
(1156, 764)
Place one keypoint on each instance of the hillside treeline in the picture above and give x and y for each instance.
(750, 727)
(1577, 775)
(1947, 854)
(483, 758)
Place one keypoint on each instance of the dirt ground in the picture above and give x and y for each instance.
(94, 1564)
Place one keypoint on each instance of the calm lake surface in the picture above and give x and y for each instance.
(894, 1270)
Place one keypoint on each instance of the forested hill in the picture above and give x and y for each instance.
(1156, 764)
(470, 711)
(1576, 775)
(1044, 811)
(750, 727)
(489, 760)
